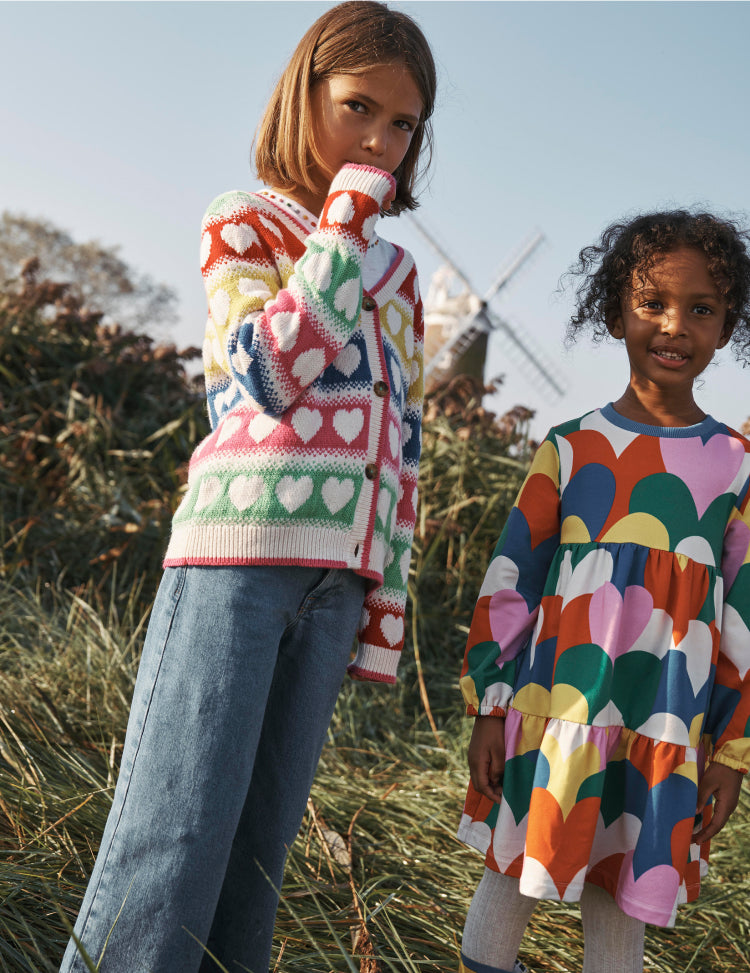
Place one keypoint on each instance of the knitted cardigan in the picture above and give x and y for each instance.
(315, 401)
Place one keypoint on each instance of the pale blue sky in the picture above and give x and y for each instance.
(121, 121)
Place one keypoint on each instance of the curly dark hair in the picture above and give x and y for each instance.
(629, 249)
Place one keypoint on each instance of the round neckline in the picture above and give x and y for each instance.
(670, 432)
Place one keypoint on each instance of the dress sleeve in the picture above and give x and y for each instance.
(267, 343)
(728, 716)
(511, 593)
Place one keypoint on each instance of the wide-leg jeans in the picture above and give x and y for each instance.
(237, 683)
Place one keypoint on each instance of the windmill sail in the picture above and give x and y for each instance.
(458, 325)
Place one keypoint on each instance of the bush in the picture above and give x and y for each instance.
(96, 426)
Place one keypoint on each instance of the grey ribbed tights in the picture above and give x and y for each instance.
(499, 913)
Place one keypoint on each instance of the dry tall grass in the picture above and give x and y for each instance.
(377, 880)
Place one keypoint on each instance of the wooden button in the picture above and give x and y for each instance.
(371, 471)
(380, 389)
(368, 304)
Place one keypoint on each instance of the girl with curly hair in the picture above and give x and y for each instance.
(608, 661)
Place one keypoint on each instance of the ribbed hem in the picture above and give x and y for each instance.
(214, 544)
(665, 432)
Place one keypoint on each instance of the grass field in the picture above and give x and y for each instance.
(376, 880)
(95, 428)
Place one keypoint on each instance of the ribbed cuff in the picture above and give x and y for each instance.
(375, 664)
(365, 179)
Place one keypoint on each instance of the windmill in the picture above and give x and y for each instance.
(458, 325)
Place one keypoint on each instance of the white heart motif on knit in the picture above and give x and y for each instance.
(414, 371)
(309, 365)
(404, 565)
(393, 439)
(348, 424)
(205, 248)
(392, 628)
(409, 341)
(306, 423)
(318, 269)
(208, 491)
(368, 225)
(396, 381)
(337, 493)
(414, 498)
(416, 288)
(239, 236)
(217, 352)
(285, 328)
(261, 426)
(341, 209)
(347, 297)
(347, 360)
(241, 361)
(228, 428)
(219, 305)
(245, 490)
(293, 493)
(406, 432)
(252, 287)
(394, 320)
(384, 505)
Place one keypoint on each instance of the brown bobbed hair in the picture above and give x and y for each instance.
(347, 39)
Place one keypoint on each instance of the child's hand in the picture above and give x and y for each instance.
(724, 784)
(487, 756)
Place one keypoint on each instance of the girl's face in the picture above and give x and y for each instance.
(672, 323)
(365, 119)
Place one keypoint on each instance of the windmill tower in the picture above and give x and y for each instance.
(458, 324)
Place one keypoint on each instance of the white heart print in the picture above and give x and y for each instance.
(341, 209)
(261, 426)
(205, 248)
(239, 236)
(208, 491)
(393, 439)
(309, 365)
(394, 320)
(337, 493)
(318, 269)
(347, 360)
(244, 491)
(228, 428)
(285, 328)
(393, 628)
(348, 423)
(347, 297)
(306, 423)
(293, 493)
(219, 304)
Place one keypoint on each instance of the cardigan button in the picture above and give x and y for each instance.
(371, 471)
(368, 304)
(380, 389)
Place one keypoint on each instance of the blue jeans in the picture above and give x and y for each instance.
(237, 683)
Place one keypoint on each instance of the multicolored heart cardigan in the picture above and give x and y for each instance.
(315, 399)
(613, 633)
